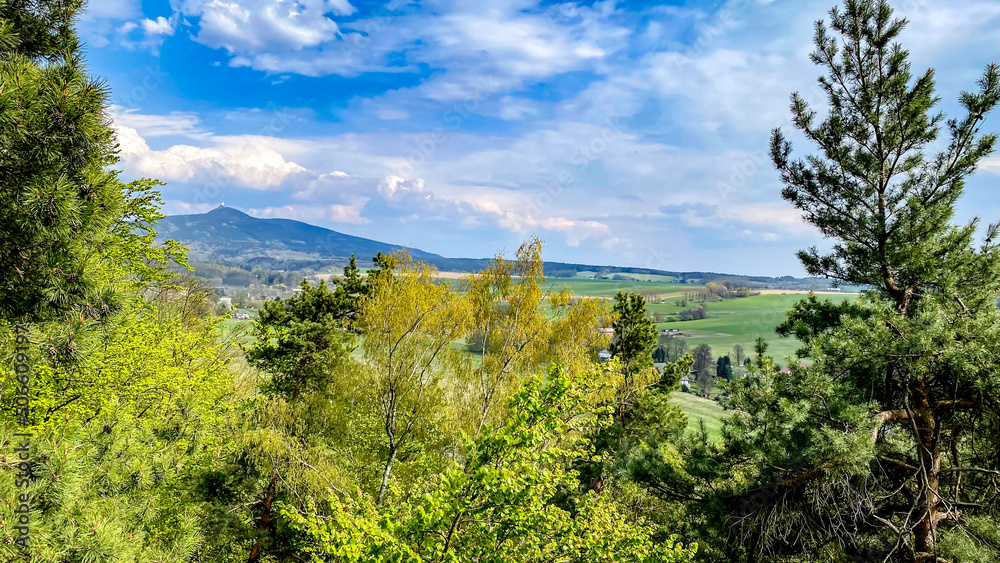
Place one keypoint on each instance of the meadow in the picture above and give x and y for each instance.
(729, 322)
(697, 410)
(741, 321)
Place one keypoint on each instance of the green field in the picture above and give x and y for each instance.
(608, 288)
(730, 322)
(698, 409)
(741, 321)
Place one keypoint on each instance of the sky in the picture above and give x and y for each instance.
(628, 133)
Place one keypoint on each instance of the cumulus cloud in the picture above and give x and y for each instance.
(533, 117)
(145, 34)
(395, 187)
(244, 161)
(260, 25)
(176, 123)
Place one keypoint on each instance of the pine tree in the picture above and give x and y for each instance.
(57, 202)
(633, 344)
(885, 436)
(298, 340)
(724, 368)
(811, 317)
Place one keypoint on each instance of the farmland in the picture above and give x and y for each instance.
(729, 322)
(608, 288)
(741, 321)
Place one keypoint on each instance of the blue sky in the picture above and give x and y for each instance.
(626, 133)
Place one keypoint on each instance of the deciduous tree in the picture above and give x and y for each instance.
(496, 506)
(508, 329)
(409, 323)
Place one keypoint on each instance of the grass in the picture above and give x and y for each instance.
(730, 322)
(608, 288)
(698, 409)
(741, 321)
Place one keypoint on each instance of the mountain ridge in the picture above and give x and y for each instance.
(230, 235)
(226, 233)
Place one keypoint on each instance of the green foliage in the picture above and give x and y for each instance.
(409, 324)
(702, 368)
(508, 327)
(760, 349)
(349, 291)
(298, 341)
(107, 491)
(141, 358)
(39, 30)
(872, 188)
(495, 506)
(738, 354)
(674, 348)
(635, 335)
(811, 317)
(724, 368)
(875, 436)
(69, 224)
(121, 416)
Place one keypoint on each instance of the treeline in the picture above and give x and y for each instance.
(245, 274)
(568, 270)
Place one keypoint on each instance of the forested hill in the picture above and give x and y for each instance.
(232, 236)
(225, 233)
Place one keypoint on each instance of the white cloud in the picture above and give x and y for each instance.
(177, 123)
(176, 207)
(257, 25)
(773, 214)
(688, 117)
(738, 89)
(159, 26)
(145, 34)
(990, 165)
(391, 114)
(244, 161)
(515, 109)
(394, 187)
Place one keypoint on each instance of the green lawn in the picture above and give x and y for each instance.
(741, 321)
(698, 409)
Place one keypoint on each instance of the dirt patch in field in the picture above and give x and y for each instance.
(451, 275)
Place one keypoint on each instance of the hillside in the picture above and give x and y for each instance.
(231, 236)
(228, 234)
